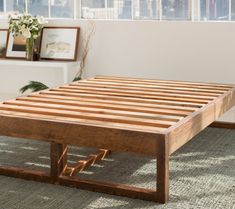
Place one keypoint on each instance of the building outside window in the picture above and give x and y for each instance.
(214, 10)
(38, 7)
(232, 9)
(178, 10)
(15, 6)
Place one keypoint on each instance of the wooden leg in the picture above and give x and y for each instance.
(58, 160)
(163, 172)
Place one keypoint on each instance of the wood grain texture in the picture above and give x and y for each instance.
(143, 116)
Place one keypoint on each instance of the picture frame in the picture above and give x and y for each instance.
(3, 42)
(59, 43)
(16, 47)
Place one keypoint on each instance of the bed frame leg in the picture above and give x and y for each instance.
(163, 171)
(58, 160)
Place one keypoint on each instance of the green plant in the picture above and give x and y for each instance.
(34, 86)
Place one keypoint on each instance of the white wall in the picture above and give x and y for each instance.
(197, 51)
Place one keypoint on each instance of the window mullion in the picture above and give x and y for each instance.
(160, 10)
(106, 9)
(5, 6)
(132, 9)
(230, 10)
(26, 6)
(49, 8)
(75, 9)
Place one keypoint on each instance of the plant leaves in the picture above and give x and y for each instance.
(33, 86)
(78, 78)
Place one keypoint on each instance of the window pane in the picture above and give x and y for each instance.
(124, 9)
(233, 10)
(119, 9)
(1, 6)
(146, 9)
(94, 9)
(38, 7)
(214, 10)
(62, 8)
(15, 6)
(176, 10)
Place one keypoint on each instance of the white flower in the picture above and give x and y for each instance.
(26, 33)
(35, 36)
(42, 21)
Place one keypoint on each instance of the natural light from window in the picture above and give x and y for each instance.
(171, 10)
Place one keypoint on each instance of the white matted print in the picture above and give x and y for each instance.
(16, 47)
(59, 43)
(3, 42)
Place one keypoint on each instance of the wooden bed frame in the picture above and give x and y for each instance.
(149, 117)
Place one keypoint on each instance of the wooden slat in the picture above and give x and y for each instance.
(136, 92)
(137, 101)
(128, 87)
(158, 87)
(108, 103)
(167, 82)
(104, 124)
(91, 116)
(109, 106)
(102, 111)
(95, 93)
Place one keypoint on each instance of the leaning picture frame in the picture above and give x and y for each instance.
(3, 42)
(16, 47)
(59, 43)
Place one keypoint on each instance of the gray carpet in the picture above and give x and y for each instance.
(202, 176)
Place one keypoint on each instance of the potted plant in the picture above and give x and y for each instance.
(29, 27)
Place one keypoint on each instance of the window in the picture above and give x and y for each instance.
(38, 7)
(15, 5)
(233, 10)
(46, 8)
(163, 10)
(62, 8)
(146, 9)
(214, 10)
(176, 10)
(1, 6)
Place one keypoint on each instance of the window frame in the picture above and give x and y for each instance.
(194, 12)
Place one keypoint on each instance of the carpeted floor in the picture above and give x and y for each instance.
(202, 176)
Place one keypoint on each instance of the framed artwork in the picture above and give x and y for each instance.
(59, 43)
(16, 47)
(3, 42)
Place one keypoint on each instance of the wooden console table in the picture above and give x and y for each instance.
(149, 117)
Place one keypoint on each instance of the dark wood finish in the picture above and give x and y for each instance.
(142, 116)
